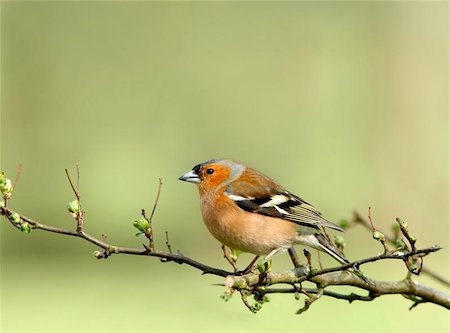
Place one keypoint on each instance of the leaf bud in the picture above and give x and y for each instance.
(25, 228)
(15, 218)
(141, 224)
(339, 241)
(73, 207)
(6, 188)
(378, 236)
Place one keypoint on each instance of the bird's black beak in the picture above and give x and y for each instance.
(190, 177)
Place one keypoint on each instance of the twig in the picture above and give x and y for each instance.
(77, 194)
(311, 299)
(76, 191)
(168, 243)
(244, 297)
(376, 234)
(405, 233)
(358, 219)
(347, 297)
(78, 178)
(396, 255)
(370, 220)
(19, 172)
(157, 198)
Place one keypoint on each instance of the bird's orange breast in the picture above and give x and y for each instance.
(241, 230)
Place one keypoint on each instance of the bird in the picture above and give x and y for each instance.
(248, 211)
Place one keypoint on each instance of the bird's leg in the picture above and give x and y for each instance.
(227, 254)
(250, 266)
(248, 269)
(273, 252)
(294, 257)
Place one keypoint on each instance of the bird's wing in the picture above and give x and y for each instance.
(271, 199)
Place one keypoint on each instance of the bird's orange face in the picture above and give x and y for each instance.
(208, 175)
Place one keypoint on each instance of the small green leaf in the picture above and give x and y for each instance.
(264, 266)
(235, 254)
(141, 224)
(399, 244)
(6, 188)
(98, 254)
(25, 228)
(378, 236)
(339, 241)
(261, 266)
(256, 307)
(2, 179)
(73, 207)
(15, 218)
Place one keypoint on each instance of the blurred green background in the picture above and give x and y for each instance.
(344, 103)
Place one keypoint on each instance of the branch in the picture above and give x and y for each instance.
(325, 277)
(112, 249)
(260, 284)
(360, 220)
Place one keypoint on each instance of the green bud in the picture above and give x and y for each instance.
(235, 254)
(73, 207)
(256, 307)
(378, 236)
(399, 244)
(98, 254)
(261, 266)
(25, 228)
(412, 267)
(141, 224)
(339, 241)
(2, 179)
(264, 266)
(344, 224)
(413, 239)
(403, 223)
(15, 218)
(269, 265)
(7, 188)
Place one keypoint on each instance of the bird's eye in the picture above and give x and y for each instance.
(210, 171)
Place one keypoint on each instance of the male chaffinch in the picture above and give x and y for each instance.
(248, 211)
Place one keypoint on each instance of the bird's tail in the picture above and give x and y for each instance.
(326, 246)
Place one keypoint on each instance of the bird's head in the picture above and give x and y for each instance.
(213, 174)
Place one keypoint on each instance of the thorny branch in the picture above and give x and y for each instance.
(263, 283)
